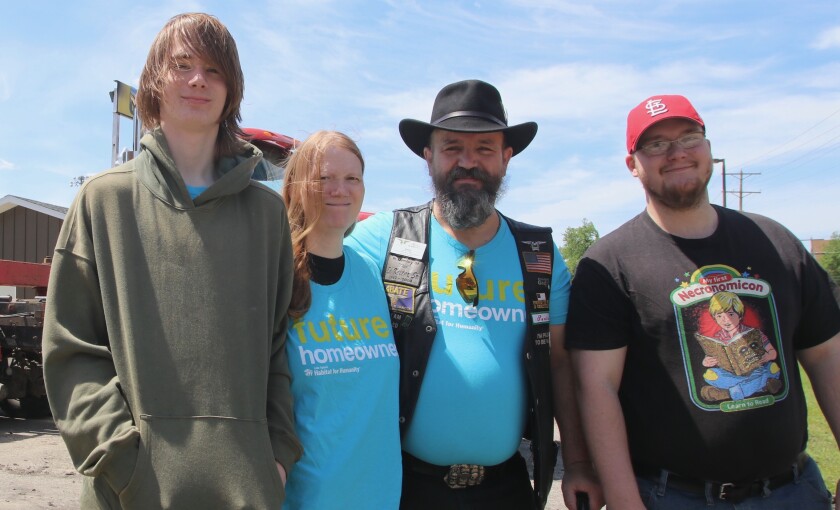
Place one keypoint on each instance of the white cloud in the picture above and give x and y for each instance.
(366, 135)
(6, 165)
(581, 109)
(772, 130)
(587, 91)
(828, 39)
(600, 190)
(806, 210)
(575, 68)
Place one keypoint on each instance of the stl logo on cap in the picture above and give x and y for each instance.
(655, 107)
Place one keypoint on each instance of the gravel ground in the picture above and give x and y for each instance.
(36, 472)
(35, 469)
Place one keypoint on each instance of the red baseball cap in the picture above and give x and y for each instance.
(655, 109)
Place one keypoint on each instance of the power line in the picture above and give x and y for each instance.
(804, 159)
(783, 172)
(800, 135)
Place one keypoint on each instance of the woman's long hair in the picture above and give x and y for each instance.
(304, 204)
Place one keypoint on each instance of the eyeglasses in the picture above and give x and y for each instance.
(466, 282)
(660, 147)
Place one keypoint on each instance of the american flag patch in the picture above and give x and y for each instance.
(537, 262)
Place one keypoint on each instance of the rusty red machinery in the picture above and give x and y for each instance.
(21, 324)
(264, 138)
(25, 274)
(276, 149)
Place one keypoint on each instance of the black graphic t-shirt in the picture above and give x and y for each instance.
(711, 388)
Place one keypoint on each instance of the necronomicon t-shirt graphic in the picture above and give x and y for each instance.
(729, 332)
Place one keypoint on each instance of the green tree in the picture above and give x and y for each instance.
(831, 259)
(575, 242)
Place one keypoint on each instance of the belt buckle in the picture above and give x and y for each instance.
(723, 488)
(461, 476)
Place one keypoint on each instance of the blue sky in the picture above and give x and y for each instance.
(765, 76)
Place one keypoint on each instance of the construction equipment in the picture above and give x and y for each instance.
(276, 149)
(21, 324)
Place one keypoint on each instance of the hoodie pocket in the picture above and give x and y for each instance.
(204, 462)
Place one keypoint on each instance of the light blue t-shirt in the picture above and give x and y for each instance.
(345, 383)
(194, 191)
(472, 404)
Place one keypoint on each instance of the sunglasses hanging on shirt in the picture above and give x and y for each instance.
(466, 282)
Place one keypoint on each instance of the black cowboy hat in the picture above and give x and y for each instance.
(470, 106)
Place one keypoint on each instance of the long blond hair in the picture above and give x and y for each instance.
(302, 194)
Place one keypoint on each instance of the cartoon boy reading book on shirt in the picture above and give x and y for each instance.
(739, 359)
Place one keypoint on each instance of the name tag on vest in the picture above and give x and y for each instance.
(403, 270)
(408, 248)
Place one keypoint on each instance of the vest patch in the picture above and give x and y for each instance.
(400, 297)
(541, 304)
(537, 262)
(403, 270)
(539, 318)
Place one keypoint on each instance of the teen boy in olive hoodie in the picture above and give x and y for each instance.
(164, 338)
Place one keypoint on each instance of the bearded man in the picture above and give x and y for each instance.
(478, 305)
(678, 416)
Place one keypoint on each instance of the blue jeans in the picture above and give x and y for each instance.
(807, 491)
(743, 386)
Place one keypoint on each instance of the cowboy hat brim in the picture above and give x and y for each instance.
(416, 133)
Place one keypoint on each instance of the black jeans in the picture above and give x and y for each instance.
(507, 488)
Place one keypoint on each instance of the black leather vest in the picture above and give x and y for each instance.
(406, 280)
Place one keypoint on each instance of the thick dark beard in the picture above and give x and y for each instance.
(467, 207)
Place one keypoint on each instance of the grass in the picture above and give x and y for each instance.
(821, 443)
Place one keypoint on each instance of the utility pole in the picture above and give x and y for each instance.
(741, 192)
(722, 161)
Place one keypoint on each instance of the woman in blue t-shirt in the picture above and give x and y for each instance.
(344, 364)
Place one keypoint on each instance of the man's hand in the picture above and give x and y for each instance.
(599, 378)
(282, 472)
(581, 477)
(579, 473)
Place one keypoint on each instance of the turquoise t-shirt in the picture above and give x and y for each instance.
(194, 191)
(345, 382)
(472, 404)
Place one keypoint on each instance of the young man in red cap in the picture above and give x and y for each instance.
(644, 348)
(478, 304)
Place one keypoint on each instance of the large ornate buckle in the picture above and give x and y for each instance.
(464, 475)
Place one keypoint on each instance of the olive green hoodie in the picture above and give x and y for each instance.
(164, 337)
